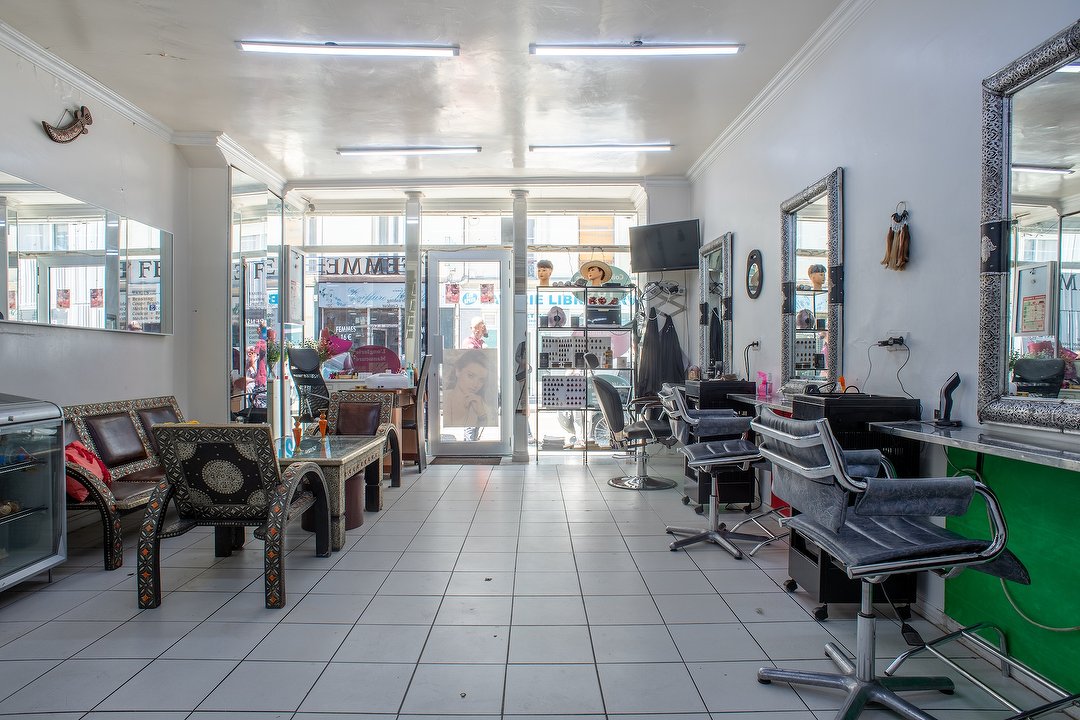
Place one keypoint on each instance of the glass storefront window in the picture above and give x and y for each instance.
(357, 230)
(466, 229)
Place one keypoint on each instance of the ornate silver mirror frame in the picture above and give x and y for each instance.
(718, 301)
(832, 188)
(995, 227)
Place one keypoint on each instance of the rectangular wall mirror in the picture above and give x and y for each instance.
(73, 264)
(714, 278)
(812, 266)
(1029, 354)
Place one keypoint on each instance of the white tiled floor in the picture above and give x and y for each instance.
(507, 591)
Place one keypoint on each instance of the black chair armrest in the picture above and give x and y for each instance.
(919, 497)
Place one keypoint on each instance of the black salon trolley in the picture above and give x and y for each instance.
(809, 566)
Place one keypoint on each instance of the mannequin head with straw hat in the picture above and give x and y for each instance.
(596, 272)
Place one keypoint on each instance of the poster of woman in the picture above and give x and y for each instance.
(470, 388)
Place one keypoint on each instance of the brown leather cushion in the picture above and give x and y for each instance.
(356, 418)
(115, 438)
(152, 475)
(149, 417)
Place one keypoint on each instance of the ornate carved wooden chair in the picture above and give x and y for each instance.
(366, 412)
(228, 477)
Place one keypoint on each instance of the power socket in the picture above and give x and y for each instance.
(898, 339)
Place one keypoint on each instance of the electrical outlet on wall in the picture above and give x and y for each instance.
(905, 334)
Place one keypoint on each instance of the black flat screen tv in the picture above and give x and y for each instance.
(665, 246)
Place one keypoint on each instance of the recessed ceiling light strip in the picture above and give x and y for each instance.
(410, 150)
(635, 48)
(359, 49)
(608, 147)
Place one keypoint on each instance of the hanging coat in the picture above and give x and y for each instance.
(648, 370)
(672, 363)
(716, 337)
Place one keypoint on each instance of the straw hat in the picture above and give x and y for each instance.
(604, 268)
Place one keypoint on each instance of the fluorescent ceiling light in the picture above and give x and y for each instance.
(608, 147)
(636, 48)
(1048, 169)
(333, 48)
(1070, 68)
(410, 150)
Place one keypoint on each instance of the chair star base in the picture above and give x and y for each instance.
(720, 536)
(641, 482)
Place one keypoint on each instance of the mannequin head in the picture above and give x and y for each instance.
(816, 273)
(543, 272)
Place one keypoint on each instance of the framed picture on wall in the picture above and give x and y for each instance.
(1036, 299)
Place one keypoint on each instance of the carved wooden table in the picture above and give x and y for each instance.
(340, 457)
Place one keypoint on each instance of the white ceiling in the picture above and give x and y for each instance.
(177, 60)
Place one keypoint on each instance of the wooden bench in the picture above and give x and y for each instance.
(119, 433)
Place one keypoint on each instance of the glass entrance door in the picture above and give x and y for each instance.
(469, 339)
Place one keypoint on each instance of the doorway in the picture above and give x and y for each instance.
(469, 338)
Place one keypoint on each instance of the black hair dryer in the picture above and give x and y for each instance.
(943, 415)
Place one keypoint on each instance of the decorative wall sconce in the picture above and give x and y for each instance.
(81, 119)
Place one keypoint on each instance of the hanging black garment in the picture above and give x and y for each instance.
(716, 338)
(648, 370)
(672, 364)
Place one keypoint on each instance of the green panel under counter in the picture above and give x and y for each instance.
(1037, 482)
(1040, 504)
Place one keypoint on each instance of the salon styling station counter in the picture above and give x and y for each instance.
(780, 403)
(1035, 480)
(711, 394)
(980, 441)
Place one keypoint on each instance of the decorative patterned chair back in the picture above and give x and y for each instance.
(310, 386)
(224, 472)
(359, 412)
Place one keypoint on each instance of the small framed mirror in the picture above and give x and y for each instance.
(812, 265)
(755, 270)
(714, 274)
(1029, 339)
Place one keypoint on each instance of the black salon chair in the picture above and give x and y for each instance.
(310, 387)
(874, 528)
(1039, 377)
(631, 436)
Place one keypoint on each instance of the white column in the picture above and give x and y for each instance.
(520, 334)
(412, 277)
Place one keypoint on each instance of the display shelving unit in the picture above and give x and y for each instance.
(33, 516)
(573, 321)
(809, 345)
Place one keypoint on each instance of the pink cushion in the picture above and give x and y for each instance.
(77, 453)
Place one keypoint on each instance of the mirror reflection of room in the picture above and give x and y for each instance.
(811, 290)
(1043, 359)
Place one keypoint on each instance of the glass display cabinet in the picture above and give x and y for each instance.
(33, 518)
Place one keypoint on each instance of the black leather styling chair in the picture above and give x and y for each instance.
(635, 435)
(310, 386)
(873, 528)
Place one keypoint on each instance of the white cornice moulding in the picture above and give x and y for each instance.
(26, 48)
(234, 154)
(834, 28)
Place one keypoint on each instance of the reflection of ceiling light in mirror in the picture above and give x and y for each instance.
(333, 48)
(1047, 169)
(1070, 68)
(410, 150)
(636, 48)
(609, 147)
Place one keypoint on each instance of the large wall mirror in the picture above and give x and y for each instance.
(812, 267)
(1029, 346)
(77, 265)
(715, 279)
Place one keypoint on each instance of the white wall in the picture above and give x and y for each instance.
(896, 102)
(124, 168)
